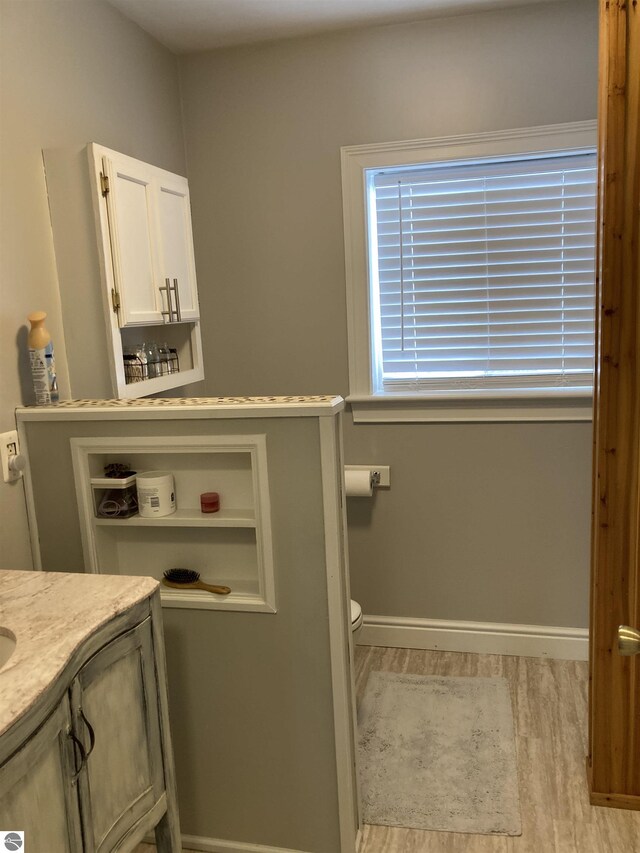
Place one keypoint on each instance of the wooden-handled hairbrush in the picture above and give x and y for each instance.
(190, 579)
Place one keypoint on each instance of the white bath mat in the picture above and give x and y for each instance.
(438, 753)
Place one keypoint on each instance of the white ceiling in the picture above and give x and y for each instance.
(191, 25)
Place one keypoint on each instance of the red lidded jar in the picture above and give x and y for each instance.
(209, 502)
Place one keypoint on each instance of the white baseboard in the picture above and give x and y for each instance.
(495, 638)
(218, 845)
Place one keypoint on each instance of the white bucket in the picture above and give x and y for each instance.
(156, 493)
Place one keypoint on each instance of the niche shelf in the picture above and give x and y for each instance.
(186, 518)
(232, 546)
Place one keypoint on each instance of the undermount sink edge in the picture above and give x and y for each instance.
(7, 645)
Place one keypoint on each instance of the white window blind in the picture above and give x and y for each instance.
(482, 274)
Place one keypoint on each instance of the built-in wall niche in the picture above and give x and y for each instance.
(231, 547)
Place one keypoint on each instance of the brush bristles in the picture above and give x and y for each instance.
(182, 575)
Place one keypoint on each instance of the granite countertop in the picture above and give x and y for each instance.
(51, 614)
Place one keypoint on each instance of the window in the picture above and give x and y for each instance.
(470, 267)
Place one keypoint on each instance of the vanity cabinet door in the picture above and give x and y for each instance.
(38, 788)
(115, 712)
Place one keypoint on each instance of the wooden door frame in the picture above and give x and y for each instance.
(613, 763)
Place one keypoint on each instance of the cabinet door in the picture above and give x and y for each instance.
(38, 793)
(132, 229)
(115, 711)
(176, 241)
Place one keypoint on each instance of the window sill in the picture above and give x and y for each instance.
(472, 407)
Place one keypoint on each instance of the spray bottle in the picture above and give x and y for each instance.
(43, 367)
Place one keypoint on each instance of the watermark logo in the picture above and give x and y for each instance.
(13, 840)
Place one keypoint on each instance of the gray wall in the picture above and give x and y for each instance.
(483, 522)
(71, 72)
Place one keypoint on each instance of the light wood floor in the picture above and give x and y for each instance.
(550, 716)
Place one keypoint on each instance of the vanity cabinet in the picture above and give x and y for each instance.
(96, 775)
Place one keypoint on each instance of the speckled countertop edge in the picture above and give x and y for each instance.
(196, 402)
(51, 614)
(321, 405)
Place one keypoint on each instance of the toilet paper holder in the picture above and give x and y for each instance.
(379, 474)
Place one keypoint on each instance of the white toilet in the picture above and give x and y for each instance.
(356, 618)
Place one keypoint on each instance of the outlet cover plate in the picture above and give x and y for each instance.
(9, 447)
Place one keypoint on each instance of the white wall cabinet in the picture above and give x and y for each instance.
(143, 219)
(91, 778)
(137, 282)
(148, 221)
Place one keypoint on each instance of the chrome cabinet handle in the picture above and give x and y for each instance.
(83, 755)
(169, 312)
(92, 734)
(176, 293)
(174, 315)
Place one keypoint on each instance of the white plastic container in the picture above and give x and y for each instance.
(156, 494)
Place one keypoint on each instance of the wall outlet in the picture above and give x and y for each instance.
(13, 463)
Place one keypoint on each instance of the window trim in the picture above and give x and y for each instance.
(550, 404)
